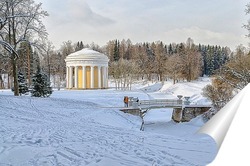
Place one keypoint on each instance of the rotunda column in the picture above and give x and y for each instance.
(83, 77)
(91, 76)
(99, 77)
(67, 77)
(70, 76)
(104, 76)
(76, 77)
(107, 75)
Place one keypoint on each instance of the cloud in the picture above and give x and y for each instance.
(175, 21)
(81, 12)
(77, 12)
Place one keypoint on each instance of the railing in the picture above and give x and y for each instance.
(160, 103)
(157, 103)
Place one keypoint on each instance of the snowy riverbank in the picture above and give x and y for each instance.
(87, 128)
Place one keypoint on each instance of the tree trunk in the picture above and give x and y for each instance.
(8, 85)
(29, 70)
(1, 82)
(16, 89)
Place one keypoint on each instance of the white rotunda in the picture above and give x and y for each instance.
(86, 69)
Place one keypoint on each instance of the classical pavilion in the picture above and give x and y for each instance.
(86, 69)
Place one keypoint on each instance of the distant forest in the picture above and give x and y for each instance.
(128, 61)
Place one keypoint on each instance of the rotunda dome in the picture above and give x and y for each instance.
(87, 54)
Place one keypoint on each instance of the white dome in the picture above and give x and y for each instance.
(87, 54)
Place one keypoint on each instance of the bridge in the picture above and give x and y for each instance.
(183, 111)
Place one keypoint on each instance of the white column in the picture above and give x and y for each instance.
(91, 76)
(83, 76)
(76, 77)
(103, 77)
(70, 76)
(107, 76)
(99, 77)
(67, 77)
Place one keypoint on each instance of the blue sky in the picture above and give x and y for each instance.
(214, 22)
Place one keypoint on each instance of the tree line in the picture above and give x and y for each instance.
(228, 80)
(24, 48)
(149, 61)
(231, 77)
(129, 62)
(159, 61)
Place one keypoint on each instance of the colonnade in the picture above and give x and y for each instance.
(87, 77)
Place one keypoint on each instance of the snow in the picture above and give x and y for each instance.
(86, 128)
(87, 52)
(192, 89)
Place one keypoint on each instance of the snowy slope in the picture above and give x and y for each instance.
(192, 89)
(87, 128)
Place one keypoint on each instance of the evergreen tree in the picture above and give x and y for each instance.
(81, 45)
(23, 87)
(27, 60)
(116, 51)
(170, 49)
(77, 47)
(40, 85)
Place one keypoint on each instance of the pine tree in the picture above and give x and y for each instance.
(40, 85)
(116, 51)
(23, 87)
(26, 62)
(81, 46)
(170, 49)
(77, 47)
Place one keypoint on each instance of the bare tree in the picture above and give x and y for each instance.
(192, 64)
(110, 50)
(124, 73)
(236, 72)
(247, 26)
(229, 79)
(66, 49)
(20, 20)
(141, 59)
(160, 59)
(47, 52)
(174, 67)
(220, 93)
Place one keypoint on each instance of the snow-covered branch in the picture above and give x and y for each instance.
(9, 48)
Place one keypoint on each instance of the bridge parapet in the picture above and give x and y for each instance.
(183, 111)
(161, 103)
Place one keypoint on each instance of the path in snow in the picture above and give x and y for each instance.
(74, 128)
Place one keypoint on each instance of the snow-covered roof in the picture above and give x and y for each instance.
(87, 54)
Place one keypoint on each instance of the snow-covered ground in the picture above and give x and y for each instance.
(86, 128)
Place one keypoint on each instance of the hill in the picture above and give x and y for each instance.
(87, 128)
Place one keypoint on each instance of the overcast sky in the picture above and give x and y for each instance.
(214, 22)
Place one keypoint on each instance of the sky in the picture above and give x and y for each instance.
(214, 22)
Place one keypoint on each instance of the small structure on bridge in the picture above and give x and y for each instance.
(183, 110)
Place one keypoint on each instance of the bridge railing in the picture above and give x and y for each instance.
(160, 102)
(157, 103)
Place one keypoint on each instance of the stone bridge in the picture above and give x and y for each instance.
(183, 111)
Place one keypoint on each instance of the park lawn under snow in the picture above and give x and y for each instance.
(87, 128)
